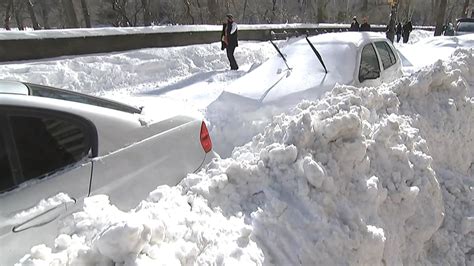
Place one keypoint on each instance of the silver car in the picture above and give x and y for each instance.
(58, 147)
(464, 26)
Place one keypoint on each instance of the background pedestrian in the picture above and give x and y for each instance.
(229, 40)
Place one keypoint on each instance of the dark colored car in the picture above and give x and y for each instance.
(464, 26)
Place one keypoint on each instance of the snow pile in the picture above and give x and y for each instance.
(136, 70)
(167, 229)
(180, 80)
(418, 35)
(427, 51)
(446, 120)
(364, 176)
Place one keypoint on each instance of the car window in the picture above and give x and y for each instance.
(386, 54)
(6, 179)
(369, 64)
(49, 92)
(45, 143)
(466, 26)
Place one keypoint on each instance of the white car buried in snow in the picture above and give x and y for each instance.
(312, 66)
(58, 146)
(305, 69)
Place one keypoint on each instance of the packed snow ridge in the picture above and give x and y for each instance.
(364, 176)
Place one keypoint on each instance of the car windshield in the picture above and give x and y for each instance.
(49, 92)
(466, 26)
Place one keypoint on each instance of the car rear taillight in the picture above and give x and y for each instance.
(205, 138)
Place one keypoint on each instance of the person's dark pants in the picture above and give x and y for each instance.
(405, 37)
(230, 56)
(399, 36)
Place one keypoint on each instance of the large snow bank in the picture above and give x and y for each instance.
(426, 50)
(364, 176)
(176, 80)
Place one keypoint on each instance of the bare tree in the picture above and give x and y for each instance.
(213, 6)
(440, 17)
(120, 8)
(465, 9)
(45, 8)
(146, 13)
(322, 13)
(365, 5)
(17, 8)
(8, 15)
(85, 13)
(245, 9)
(31, 11)
(70, 14)
(188, 10)
(201, 15)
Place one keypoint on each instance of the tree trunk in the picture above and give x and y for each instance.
(440, 17)
(322, 14)
(31, 11)
(435, 10)
(188, 11)
(273, 11)
(245, 9)
(18, 18)
(8, 16)
(214, 16)
(365, 5)
(313, 10)
(465, 9)
(71, 18)
(85, 13)
(201, 16)
(450, 14)
(146, 13)
(45, 14)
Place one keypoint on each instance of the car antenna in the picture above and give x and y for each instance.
(279, 52)
(316, 52)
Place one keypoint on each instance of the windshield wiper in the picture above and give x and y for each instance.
(317, 54)
(281, 54)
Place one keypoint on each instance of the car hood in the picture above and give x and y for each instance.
(303, 74)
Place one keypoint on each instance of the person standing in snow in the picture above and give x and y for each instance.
(354, 24)
(229, 40)
(365, 26)
(399, 31)
(407, 28)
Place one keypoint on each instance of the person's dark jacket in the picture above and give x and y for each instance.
(399, 28)
(407, 28)
(354, 26)
(364, 27)
(229, 40)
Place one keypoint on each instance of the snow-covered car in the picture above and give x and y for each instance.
(311, 66)
(58, 147)
(464, 26)
(304, 69)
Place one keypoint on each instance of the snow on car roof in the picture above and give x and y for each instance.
(356, 38)
(13, 87)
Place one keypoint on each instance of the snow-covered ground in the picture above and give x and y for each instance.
(363, 176)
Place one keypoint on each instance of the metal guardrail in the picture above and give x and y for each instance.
(29, 49)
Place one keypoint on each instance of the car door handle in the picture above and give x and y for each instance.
(44, 217)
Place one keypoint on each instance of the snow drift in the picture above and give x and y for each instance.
(364, 176)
